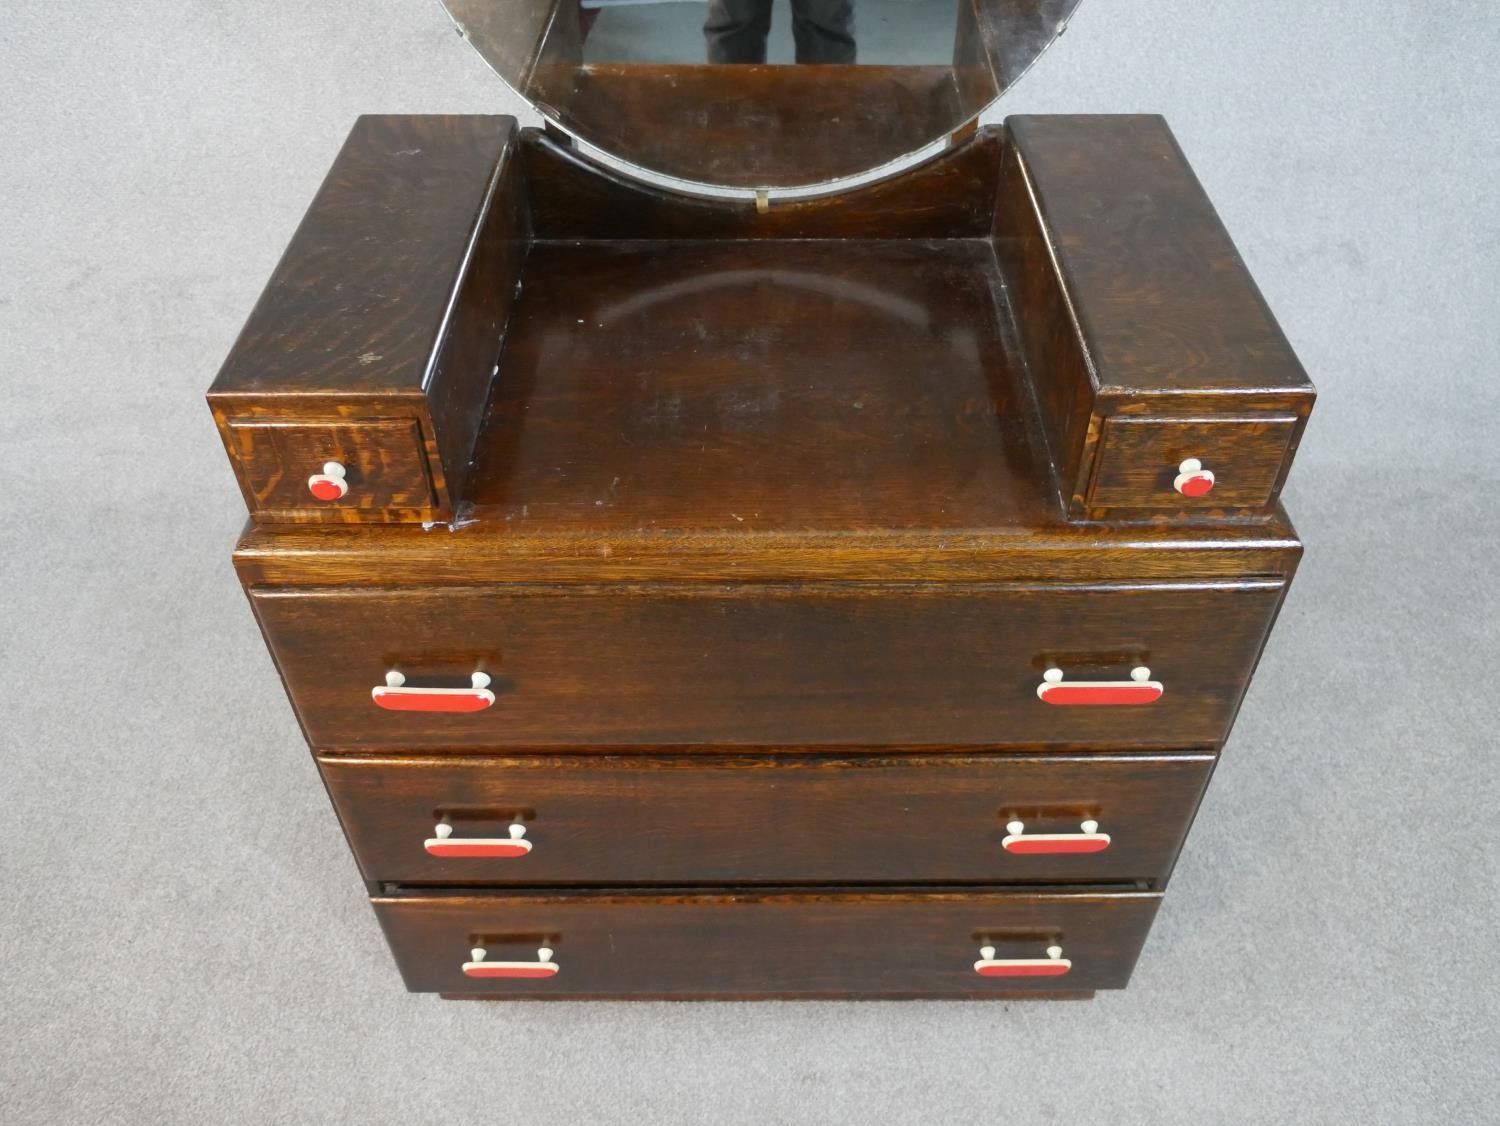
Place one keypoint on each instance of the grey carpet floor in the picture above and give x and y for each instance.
(182, 936)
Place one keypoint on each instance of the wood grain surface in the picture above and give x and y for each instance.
(798, 818)
(826, 664)
(750, 943)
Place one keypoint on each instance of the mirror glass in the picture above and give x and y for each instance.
(763, 94)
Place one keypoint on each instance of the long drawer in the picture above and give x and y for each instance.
(810, 665)
(807, 944)
(695, 819)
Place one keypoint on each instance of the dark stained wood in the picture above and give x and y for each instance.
(832, 664)
(458, 384)
(1047, 332)
(758, 385)
(748, 943)
(502, 553)
(389, 302)
(950, 196)
(1139, 459)
(1163, 299)
(1131, 295)
(766, 527)
(767, 819)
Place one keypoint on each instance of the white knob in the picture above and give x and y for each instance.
(1054, 952)
(517, 831)
(334, 469)
(1141, 673)
(394, 679)
(1191, 465)
(544, 954)
(480, 680)
(1090, 826)
(987, 953)
(442, 830)
(477, 954)
(1015, 828)
(1053, 676)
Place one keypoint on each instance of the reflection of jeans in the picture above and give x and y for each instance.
(736, 30)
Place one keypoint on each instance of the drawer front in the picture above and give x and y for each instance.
(1192, 467)
(824, 944)
(694, 819)
(765, 666)
(338, 471)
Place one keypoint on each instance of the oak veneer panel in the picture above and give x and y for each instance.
(799, 818)
(747, 944)
(764, 665)
(758, 385)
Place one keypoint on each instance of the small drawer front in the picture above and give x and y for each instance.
(813, 944)
(695, 819)
(668, 665)
(336, 471)
(1192, 467)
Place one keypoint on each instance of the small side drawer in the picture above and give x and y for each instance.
(375, 340)
(1192, 466)
(696, 819)
(842, 943)
(336, 471)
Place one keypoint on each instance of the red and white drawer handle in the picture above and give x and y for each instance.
(1193, 480)
(478, 965)
(329, 484)
(1087, 839)
(394, 696)
(1053, 965)
(1139, 689)
(443, 843)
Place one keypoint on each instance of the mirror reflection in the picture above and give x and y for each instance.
(760, 94)
(888, 32)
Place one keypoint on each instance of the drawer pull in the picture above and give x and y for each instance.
(1053, 965)
(1088, 839)
(1193, 480)
(442, 843)
(329, 484)
(1139, 689)
(394, 696)
(477, 966)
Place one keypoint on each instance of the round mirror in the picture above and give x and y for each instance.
(760, 94)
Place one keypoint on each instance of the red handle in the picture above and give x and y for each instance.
(394, 696)
(1139, 689)
(443, 844)
(1089, 839)
(478, 966)
(1053, 965)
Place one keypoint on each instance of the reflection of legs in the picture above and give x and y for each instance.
(736, 30)
(824, 30)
